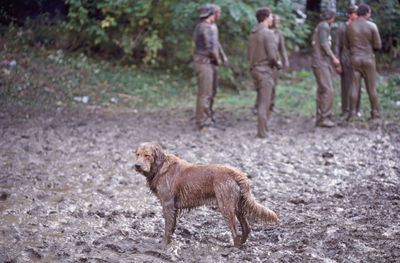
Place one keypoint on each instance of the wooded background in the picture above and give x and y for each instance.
(159, 32)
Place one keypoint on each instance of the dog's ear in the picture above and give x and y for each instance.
(159, 156)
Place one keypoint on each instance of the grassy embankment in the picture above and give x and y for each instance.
(39, 79)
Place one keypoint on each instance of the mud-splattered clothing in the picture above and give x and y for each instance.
(322, 56)
(361, 38)
(343, 54)
(263, 57)
(205, 64)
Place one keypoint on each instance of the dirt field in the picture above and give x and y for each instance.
(68, 192)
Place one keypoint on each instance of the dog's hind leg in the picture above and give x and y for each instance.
(227, 200)
(169, 213)
(243, 223)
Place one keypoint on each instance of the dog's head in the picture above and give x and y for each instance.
(149, 159)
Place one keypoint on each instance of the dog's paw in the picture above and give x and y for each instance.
(165, 242)
(237, 241)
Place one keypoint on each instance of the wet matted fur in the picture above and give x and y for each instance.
(179, 185)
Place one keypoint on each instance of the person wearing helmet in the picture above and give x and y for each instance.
(344, 55)
(263, 58)
(361, 38)
(205, 62)
(322, 56)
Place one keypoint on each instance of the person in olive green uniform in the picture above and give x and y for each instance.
(222, 56)
(263, 57)
(322, 56)
(344, 56)
(361, 38)
(205, 63)
(282, 51)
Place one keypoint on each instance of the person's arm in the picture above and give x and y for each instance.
(250, 50)
(376, 38)
(222, 54)
(346, 42)
(324, 42)
(338, 41)
(282, 50)
(271, 50)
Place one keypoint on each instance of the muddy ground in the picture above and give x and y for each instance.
(68, 192)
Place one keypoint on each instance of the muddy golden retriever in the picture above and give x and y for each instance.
(180, 185)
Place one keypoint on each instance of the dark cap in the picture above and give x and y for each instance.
(327, 14)
(352, 9)
(206, 10)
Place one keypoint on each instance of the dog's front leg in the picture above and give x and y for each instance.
(169, 212)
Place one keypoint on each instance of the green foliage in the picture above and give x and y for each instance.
(386, 14)
(295, 33)
(162, 30)
(388, 90)
(391, 91)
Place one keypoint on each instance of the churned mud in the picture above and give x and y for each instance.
(68, 192)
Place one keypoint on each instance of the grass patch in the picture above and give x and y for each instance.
(296, 93)
(39, 78)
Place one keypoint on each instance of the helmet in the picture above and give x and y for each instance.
(206, 10)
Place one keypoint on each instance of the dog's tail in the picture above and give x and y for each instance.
(258, 211)
(253, 209)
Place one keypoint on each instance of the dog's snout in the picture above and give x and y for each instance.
(137, 166)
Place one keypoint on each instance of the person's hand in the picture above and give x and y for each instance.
(279, 64)
(226, 63)
(338, 69)
(216, 62)
(336, 61)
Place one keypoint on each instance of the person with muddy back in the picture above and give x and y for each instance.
(322, 56)
(263, 59)
(361, 38)
(206, 60)
(344, 55)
